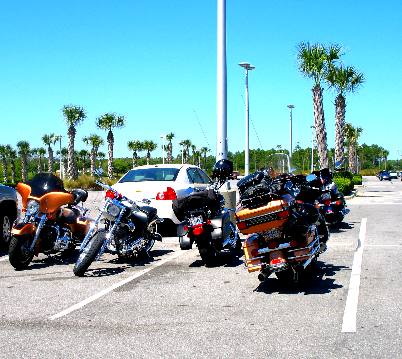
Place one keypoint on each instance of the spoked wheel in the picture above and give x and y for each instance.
(19, 253)
(5, 229)
(89, 253)
(237, 250)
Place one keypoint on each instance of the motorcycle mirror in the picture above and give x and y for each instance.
(99, 172)
(311, 177)
(338, 165)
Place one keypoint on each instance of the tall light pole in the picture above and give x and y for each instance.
(61, 158)
(291, 107)
(247, 67)
(221, 95)
(163, 148)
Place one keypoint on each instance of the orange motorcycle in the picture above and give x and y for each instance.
(53, 222)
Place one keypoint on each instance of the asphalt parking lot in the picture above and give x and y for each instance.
(171, 306)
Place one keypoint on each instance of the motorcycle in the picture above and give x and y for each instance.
(205, 220)
(286, 231)
(333, 205)
(53, 222)
(129, 231)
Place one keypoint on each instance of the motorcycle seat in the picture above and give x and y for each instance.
(68, 216)
(150, 211)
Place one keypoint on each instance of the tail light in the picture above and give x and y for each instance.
(327, 202)
(112, 194)
(283, 214)
(277, 261)
(169, 194)
(338, 203)
(241, 225)
(198, 229)
(272, 244)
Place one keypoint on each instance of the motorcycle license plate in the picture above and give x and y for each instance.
(195, 220)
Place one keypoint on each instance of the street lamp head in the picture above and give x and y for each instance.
(246, 66)
(291, 106)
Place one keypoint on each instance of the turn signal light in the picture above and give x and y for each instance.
(112, 195)
(338, 203)
(169, 194)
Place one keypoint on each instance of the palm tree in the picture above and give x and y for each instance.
(40, 152)
(24, 151)
(12, 155)
(101, 157)
(314, 62)
(73, 115)
(204, 151)
(186, 144)
(83, 155)
(63, 154)
(95, 142)
(149, 146)
(169, 147)
(107, 122)
(49, 140)
(352, 134)
(135, 147)
(343, 79)
(4, 157)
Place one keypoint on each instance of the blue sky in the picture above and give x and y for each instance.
(155, 63)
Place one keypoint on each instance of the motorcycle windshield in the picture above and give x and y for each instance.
(43, 183)
(278, 164)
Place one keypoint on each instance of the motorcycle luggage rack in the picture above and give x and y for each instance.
(312, 248)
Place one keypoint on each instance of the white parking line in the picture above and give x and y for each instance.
(3, 259)
(114, 286)
(349, 315)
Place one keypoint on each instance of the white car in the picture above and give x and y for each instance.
(161, 184)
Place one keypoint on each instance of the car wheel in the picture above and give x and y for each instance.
(5, 229)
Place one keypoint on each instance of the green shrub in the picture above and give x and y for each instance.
(344, 174)
(345, 185)
(357, 180)
(87, 182)
(369, 172)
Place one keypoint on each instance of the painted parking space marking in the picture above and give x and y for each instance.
(349, 315)
(115, 286)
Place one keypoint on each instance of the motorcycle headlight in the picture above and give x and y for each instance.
(113, 210)
(32, 207)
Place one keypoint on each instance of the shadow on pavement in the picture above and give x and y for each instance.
(124, 264)
(222, 260)
(312, 281)
(341, 227)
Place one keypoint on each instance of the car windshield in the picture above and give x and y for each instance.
(150, 174)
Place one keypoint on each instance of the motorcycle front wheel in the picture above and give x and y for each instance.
(89, 253)
(19, 253)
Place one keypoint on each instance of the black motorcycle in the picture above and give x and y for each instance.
(205, 220)
(333, 204)
(129, 231)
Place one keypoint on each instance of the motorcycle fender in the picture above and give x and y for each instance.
(23, 228)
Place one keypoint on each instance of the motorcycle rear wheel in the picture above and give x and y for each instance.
(207, 252)
(89, 253)
(19, 253)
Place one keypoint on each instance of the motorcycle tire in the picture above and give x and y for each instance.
(19, 254)
(89, 253)
(207, 252)
(286, 276)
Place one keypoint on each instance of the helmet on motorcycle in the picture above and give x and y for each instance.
(222, 170)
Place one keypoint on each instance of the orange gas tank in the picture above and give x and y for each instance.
(272, 215)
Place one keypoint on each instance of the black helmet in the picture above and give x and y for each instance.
(222, 170)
